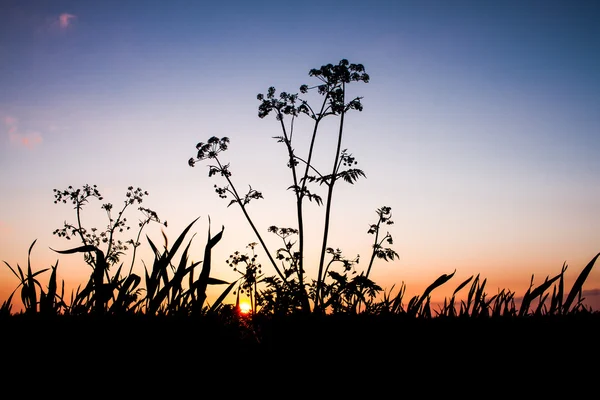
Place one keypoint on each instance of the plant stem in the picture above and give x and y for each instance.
(260, 239)
(376, 245)
(320, 277)
(299, 197)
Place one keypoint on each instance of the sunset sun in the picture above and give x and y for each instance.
(245, 307)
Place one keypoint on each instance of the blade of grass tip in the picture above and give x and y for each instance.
(31, 248)
(206, 264)
(561, 289)
(47, 305)
(181, 271)
(31, 282)
(540, 307)
(153, 279)
(544, 286)
(541, 289)
(451, 305)
(223, 295)
(479, 297)
(397, 303)
(160, 270)
(438, 282)
(411, 308)
(172, 288)
(469, 302)
(101, 291)
(18, 275)
(506, 302)
(508, 308)
(426, 308)
(445, 311)
(458, 289)
(555, 304)
(153, 246)
(62, 295)
(161, 267)
(6, 308)
(100, 267)
(386, 299)
(190, 272)
(578, 285)
(179, 240)
(81, 249)
(129, 285)
(21, 274)
(150, 283)
(29, 296)
(526, 301)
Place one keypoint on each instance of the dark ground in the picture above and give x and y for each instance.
(551, 355)
(500, 336)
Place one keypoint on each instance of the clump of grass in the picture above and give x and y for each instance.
(169, 289)
(546, 299)
(45, 302)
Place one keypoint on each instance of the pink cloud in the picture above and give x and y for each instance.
(10, 121)
(11, 125)
(64, 20)
(27, 139)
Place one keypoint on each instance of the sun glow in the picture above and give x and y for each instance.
(245, 307)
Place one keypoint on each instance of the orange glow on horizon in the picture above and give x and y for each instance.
(245, 307)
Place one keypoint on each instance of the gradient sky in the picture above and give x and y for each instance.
(480, 128)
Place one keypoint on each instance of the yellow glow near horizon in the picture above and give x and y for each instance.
(245, 307)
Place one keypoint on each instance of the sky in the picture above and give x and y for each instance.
(480, 129)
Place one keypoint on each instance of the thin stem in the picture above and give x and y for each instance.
(376, 245)
(80, 232)
(135, 245)
(298, 193)
(241, 204)
(303, 187)
(330, 185)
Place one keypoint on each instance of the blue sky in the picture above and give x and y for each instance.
(480, 126)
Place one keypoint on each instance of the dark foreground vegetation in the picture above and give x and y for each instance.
(568, 339)
(334, 320)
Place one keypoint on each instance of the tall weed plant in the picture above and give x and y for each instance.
(330, 290)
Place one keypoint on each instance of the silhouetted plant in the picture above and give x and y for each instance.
(94, 237)
(166, 293)
(47, 302)
(334, 79)
(98, 293)
(251, 274)
(385, 253)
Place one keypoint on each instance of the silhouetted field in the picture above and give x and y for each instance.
(543, 337)
(338, 355)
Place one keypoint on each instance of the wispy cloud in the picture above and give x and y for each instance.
(28, 139)
(57, 23)
(65, 20)
(10, 122)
